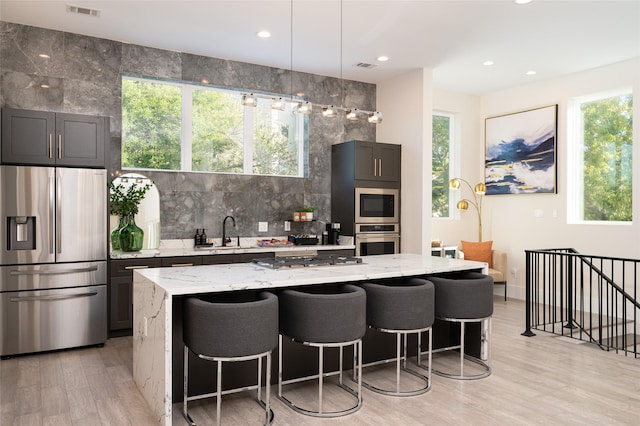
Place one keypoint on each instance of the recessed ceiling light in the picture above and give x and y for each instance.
(264, 34)
(531, 72)
(522, 1)
(488, 63)
(382, 58)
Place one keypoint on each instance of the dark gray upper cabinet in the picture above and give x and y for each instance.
(366, 164)
(47, 138)
(377, 161)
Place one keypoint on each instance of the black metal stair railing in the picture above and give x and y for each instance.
(590, 298)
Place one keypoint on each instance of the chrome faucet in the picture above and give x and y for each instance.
(226, 239)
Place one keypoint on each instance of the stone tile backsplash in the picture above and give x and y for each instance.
(84, 77)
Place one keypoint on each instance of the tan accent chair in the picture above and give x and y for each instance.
(499, 271)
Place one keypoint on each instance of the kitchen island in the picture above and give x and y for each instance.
(156, 291)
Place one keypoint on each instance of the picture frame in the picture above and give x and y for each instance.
(520, 152)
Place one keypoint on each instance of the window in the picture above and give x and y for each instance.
(184, 127)
(442, 150)
(604, 168)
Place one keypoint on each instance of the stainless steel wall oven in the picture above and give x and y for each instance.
(371, 239)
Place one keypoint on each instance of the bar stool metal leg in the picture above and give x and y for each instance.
(401, 364)
(485, 364)
(357, 349)
(185, 413)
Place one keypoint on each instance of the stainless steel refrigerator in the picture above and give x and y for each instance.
(53, 268)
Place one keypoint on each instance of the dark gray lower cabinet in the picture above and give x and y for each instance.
(121, 292)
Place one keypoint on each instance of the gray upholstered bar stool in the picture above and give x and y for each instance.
(464, 298)
(402, 308)
(323, 319)
(231, 330)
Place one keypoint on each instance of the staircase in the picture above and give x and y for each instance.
(589, 298)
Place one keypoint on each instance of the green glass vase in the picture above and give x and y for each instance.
(131, 235)
(115, 234)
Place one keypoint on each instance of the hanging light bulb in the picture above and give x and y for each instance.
(329, 111)
(277, 103)
(352, 114)
(375, 117)
(304, 107)
(249, 100)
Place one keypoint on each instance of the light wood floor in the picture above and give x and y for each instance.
(539, 380)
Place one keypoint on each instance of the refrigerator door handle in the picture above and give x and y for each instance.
(55, 271)
(53, 297)
(52, 203)
(58, 214)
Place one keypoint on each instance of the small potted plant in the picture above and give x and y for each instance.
(306, 214)
(125, 202)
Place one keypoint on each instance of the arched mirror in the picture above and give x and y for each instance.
(148, 216)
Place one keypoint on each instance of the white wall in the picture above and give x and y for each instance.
(405, 102)
(509, 219)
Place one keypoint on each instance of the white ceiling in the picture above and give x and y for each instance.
(552, 37)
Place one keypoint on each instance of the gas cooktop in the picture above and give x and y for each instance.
(304, 261)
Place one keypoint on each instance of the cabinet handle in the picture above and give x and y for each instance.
(128, 268)
(375, 167)
(50, 145)
(379, 166)
(59, 146)
(177, 265)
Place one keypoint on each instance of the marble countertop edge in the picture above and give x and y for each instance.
(249, 276)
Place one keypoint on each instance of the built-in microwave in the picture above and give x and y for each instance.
(376, 205)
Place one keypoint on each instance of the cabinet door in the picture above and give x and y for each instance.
(121, 291)
(366, 161)
(388, 157)
(121, 303)
(27, 137)
(80, 140)
(377, 162)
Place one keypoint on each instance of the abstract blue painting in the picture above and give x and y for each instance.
(520, 152)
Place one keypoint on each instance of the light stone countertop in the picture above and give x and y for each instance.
(169, 248)
(246, 276)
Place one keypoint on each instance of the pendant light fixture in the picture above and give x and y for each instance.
(305, 106)
(277, 104)
(249, 100)
(375, 117)
(329, 111)
(352, 114)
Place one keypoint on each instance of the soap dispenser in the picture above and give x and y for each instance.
(203, 238)
(197, 237)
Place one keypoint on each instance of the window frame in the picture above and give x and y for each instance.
(575, 163)
(453, 166)
(186, 135)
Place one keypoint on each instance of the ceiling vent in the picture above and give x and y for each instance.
(364, 65)
(83, 10)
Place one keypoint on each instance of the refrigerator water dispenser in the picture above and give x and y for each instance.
(21, 233)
